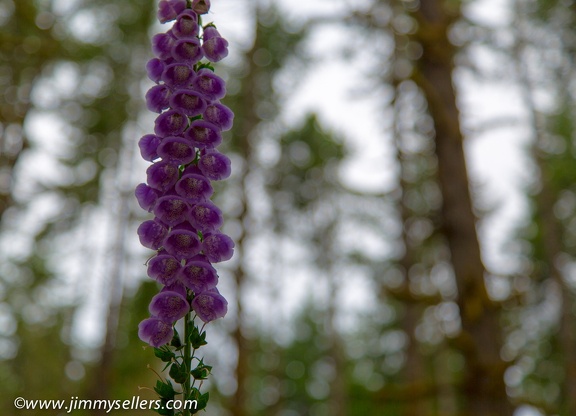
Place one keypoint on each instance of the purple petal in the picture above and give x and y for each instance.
(210, 305)
(217, 247)
(201, 6)
(205, 216)
(164, 268)
(177, 287)
(203, 134)
(209, 84)
(219, 115)
(162, 45)
(169, 306)
(182, 244)
(187, 50)
(152, 234)
(157, 98)
(214, 165)
(154, 68)
(172, 210)
(148, 145)
(170, 123)
(155, 332)
(188, 102)
(177, 150)
(210, 32)
(194, 187)
(215, 49)
(199, 275)
(177, 75)
(146, 196)
(186, 25)
(162, 175)
(169, 9)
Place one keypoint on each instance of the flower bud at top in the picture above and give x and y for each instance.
(201, 6)
(169, 9)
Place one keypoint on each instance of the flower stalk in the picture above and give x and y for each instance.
(185, 231)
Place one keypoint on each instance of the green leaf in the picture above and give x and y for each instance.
(201, 402)
(164, 354)
(165, 390)
(201, 372)
(176, 342)
(197, 339)
(178, 373)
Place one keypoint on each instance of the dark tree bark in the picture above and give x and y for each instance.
(483, 388)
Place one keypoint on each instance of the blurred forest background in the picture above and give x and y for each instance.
(384, 299)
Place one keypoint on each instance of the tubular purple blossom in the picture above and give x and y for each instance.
(214, 165)
(182, 244)
(218, 247)
(148, 145)
(177, 150)
(169, 9)
(186, 25)
(188, 102)
(146, 196)
(155, 332)
(194, 187)
(198, 275)
(219, 115)
(209, 84)
(210, 305)
(169, 306)
(204, 135)
(151, 234)
(164, 268)
(215, 47)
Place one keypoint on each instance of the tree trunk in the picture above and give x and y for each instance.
(483, 389)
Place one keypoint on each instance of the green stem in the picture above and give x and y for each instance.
(187, 362)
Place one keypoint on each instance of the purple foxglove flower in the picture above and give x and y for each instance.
(210, 305)
(169, 9)
(214, 165)
(201, 6)
(146, 196)
(164, 268)
(219, 115)
(204, 135)
(151, 234)
(170, 123)
(162, 45)
(187, 50)
(177, 75)
(155, 332)
(188, 102)
(162, 175)
(217, 247)
(157, 98)
(169, 306)
(198, 275)
(154, 68)
(215, 47)
(148, 145)
(177, 150)
(194, 188)
(186, 25)
(205, 216)
(209, 84)
(171, 210)
(182, 244)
